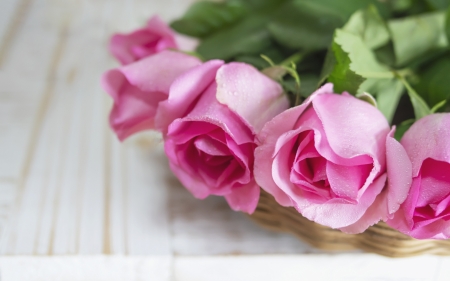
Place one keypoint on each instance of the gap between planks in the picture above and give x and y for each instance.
(14, 26)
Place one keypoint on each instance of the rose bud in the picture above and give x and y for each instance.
(141, 43)
(426, 211)
(210, 121)
(138, 88)
(327, 158)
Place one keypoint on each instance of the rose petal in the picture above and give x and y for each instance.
(250, 94)
(138, 88)
(338, 215)
(244, 198)
(184, 92)
(399, 171)
(153, 38)
(428, 138)
(267, 138)
(372, 215)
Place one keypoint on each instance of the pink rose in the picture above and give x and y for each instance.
(426, 212)
(141, 43)
(138, 88)
(214, 112)
(327, 158)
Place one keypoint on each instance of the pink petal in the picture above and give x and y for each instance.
(338, 215)
(184, 92)
(250, 94)
(153, 38)
(244, 198)
(208, 109)
(428, 138)
(268, 137)
(399, 171)
(372, 215)
(345, 181)
(350, 133)
(138, 88)
(158, 27)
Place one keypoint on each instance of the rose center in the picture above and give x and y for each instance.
(321, 179)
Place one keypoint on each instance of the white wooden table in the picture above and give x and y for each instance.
(75, 204)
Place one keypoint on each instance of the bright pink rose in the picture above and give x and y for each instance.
(426, 212)
(141, 43)
(138, 88)
(214, 112)
(327, 158)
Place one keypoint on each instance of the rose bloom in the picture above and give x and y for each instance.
(327, 158)
(209, 124)
(138, 88)
(155, 37)
(426, 211)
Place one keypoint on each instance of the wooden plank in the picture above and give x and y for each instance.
(340, 267)
(12, 16)
(86, 268)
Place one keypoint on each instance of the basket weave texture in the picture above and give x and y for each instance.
(379, 239)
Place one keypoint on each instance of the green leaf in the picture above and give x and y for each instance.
(309, 84)
(204, 18)
(438, 4)
(247, 37)
(369, 25)
(342, 76)
(447, 24)
(353, 63)
(307, 25)
(421, 108)
(433, 83)
(415, 36)
(402, 128)
(387, 93)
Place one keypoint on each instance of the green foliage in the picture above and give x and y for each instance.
(447, 24)
(416, 36)
(370, 26)
(248, 36)
(388, 93)
(305, 24)
(402, 128)
(433, 84)
(205, 18)
(352, 62)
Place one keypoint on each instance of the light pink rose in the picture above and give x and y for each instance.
(327, 158)
(138, 88)
(214, 112)
(141, 43)
(426, 212)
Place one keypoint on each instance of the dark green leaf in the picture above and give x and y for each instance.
(434, 84)
(438, 4)
(204, 18)
(369, 25)
(421, 108)
(417, 35)
(402, 128)
(306, 25)
(309, 84)
(247, 37)
(447, 24)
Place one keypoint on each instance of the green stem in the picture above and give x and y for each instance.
(295, 58)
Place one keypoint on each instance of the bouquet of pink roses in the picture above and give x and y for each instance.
(336, 108)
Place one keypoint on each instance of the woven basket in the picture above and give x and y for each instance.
(379, 239)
